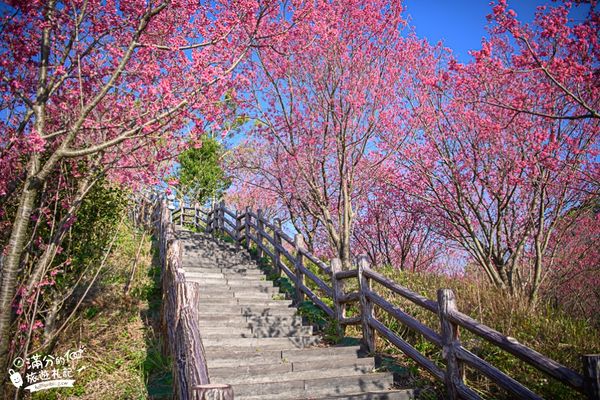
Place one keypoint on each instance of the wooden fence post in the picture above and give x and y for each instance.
(216, 218)
(213, 391)
(299, 245)
(450, 339)
(181, 211)
(259, 234)
(366, 306)
(276, 252)
(222, 216)
(247, 227)
(196, 214)
(338, 292)
(591, 374)
(238, 234)
(211, 219)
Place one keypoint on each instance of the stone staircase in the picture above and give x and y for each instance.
(259, 345)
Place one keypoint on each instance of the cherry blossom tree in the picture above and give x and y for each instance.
(392, 229)
(323, 105)
(491, 155)
(505, 149)
(262, 178)
(555, 61)
(109, 85)
(573, 278)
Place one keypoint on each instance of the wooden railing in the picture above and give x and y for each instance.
(179, 319)
(288, 256)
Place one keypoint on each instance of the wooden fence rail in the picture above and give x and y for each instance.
(289, 257)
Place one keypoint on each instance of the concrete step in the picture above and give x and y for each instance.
(244, 309)
(216, 255)
(208, 266)
(251, 321)
(236, 271)
(259, 332)
(231, 283)
(264, 356)
(333, 371)
(267, 302)
(286, 343)
(402, 394)
(219, 315)
(228, 294)
(238, 290)
(232, 280)
(214, 319)
(224, 273)
(229, 373)
(207, 275)
(313, 388)
(280, 331)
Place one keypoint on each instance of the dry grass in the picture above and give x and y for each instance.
(545, 329)
(122, 350)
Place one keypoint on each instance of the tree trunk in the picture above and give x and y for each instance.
(41, 267)
(32, 186)
(346, 225)
(10, 269)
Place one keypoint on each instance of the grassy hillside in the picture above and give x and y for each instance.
(122, 357)
(545, 329)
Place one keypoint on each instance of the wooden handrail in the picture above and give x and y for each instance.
(402, 291)
(499, 377)
(407, 348)
(316, 261)
(179, 316)
(351, 273)
(511, 345)
(256, 228)
(406, 319)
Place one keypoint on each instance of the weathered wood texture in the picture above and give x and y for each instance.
(591, 372)
(285, 251)
(259, 234)
(450, 340)
(338, 292)
(213, 392)
(523, 352)
(366, 306)
(277, 247)
(299, 245)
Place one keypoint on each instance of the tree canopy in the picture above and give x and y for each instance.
(200, 174)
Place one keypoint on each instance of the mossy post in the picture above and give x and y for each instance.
(454, 377)
(366, 306)
(299, 264)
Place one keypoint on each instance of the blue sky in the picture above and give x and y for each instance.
(461, 23)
